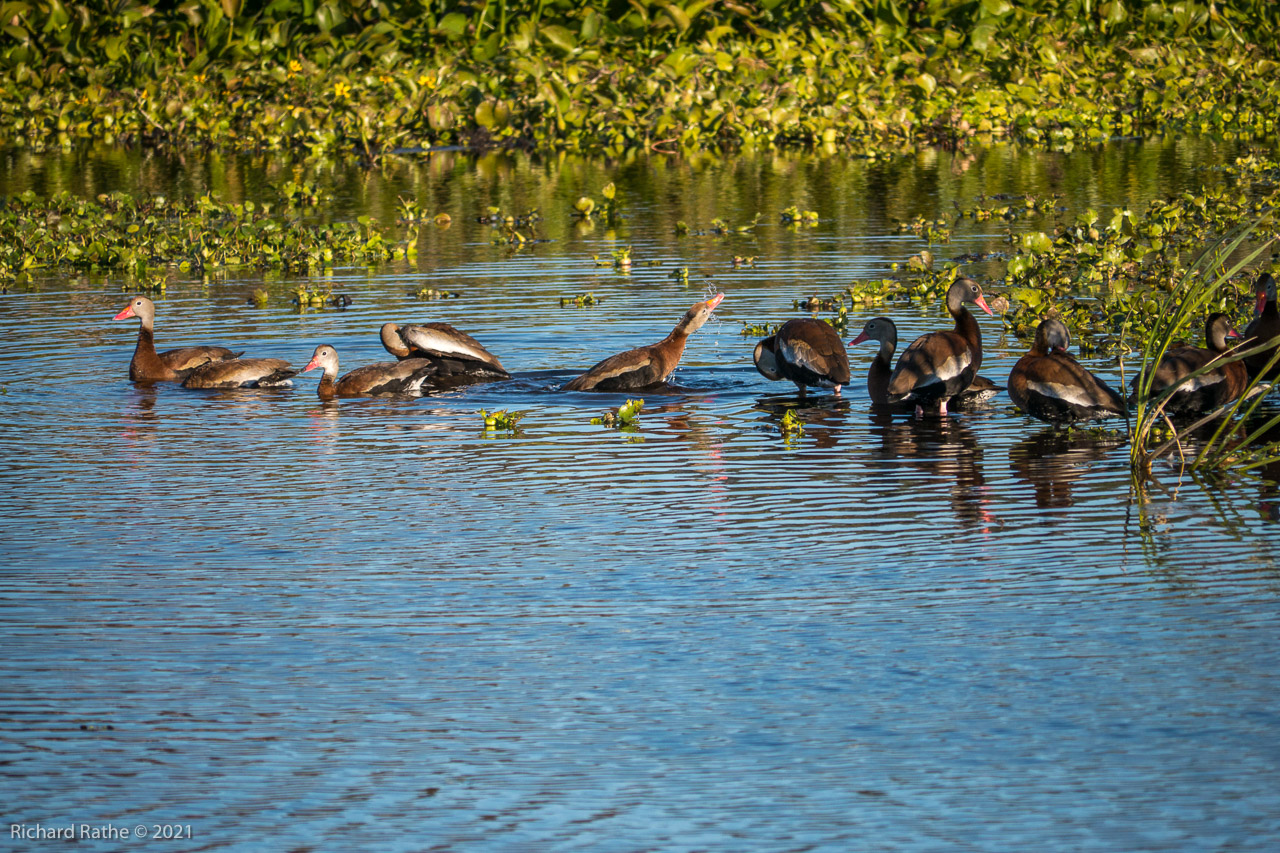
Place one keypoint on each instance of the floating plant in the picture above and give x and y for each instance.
(501, 421)
(582, 300)
(625, 417)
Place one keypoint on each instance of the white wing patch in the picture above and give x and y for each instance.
(947, 370)
(1073, 394)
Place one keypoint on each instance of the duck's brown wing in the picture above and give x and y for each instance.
(627, 371)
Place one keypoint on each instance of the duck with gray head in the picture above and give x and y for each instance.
(1048, 384)
(1210, 390)
(147, 365)
(372, 380)
(805, 351)
(885, 332)
(648, 366)
(939, 365)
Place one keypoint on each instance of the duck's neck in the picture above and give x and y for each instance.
(146, 364)
(967, 327)
(327, 389)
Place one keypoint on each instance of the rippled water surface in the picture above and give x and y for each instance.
(370, 624)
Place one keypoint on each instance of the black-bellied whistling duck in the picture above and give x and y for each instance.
(805, 351)
(939, 365)
(1209, 390)
(1047, 383)
(385, 377)
(242, 373)
(1264, 327)
(646, 367)
(884, 331)
(168, 366)
(455, 353)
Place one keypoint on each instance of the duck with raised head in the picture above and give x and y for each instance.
(648, 366)
(805, 351)
(1048, 384)
(939, 365)
(372, 380)
(242, 373)
(172, 365)
(885, 332)
(1265, 326)
(1211, 389)
(456, 354)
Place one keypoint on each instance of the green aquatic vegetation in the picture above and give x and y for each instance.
(147, 237)
(582, 300)
(501, 420)
(791, 427)
(305, 298)
(759, 330)
(626, 417)
(869, 79)
(606, 211)
(434, 293)
(795, 216)
(1152, 434)
(933, 230)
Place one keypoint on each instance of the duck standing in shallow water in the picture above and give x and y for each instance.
(385, 377)
(1264, 327)
(456, 354)
(173, 365)
(1211, 389)
(646, 367)
(805, 351)
(939, 365)
(885, 332)
(1048, 384)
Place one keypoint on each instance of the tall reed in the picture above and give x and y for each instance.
(1207, 274)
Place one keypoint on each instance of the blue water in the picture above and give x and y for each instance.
(370, 624)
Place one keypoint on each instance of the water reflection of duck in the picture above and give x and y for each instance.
(1052, 460)
(1047, 383)
(824, 425)
(948, 453)
(939, 365)
(647, 366)
(172, 365)
(1264, 327)
(385, 377)
(454, 353)
(806, 352)
(1209, 390)
(883, 330)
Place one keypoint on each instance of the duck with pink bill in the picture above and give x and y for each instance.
(648, 366)
(149, 366)
(939, 365)
(885, 332)
(373, 380)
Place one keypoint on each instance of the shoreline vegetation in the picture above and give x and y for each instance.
(862, 77)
